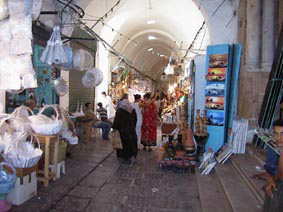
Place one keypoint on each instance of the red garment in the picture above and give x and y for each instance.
(149, 125)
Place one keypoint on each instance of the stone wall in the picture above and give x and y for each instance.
(258, 52)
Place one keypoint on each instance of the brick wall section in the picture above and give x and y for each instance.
(251, 93)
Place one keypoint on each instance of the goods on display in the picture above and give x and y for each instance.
(89, 79)
(3, 9)
(70, 55)
(21, 152)
(16, 72)
(7, 179)
(98, 75)
(82, 60)
(54, 52)
(239, 135)
(208, 163)
(60, 86)
(218, 60)
(44, 125)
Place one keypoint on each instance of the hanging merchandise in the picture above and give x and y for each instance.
(54, 52)
(36, 8)
(3, 9)
(15, 91)
(164, 77)
(82, 60)
(60, 86)
(98, 75)
(69, 53)
(89, 79)
(16, 72)
(21, 35)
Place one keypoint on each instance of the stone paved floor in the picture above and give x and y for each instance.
(96, 182)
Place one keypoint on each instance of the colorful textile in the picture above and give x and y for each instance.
(149, 125)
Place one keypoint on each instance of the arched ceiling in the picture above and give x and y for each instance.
(174, 29)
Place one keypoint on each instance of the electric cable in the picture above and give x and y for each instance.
(106, 14)
(195, 38)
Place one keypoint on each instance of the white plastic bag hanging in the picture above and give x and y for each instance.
(82, 60)
(89, 79)
(60, 86)
(3, 9)
(54, 52)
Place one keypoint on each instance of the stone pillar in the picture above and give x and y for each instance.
(253, 35)
(268, 34)
(65, 100)
(2, 101)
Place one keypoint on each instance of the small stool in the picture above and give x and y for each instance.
(60, 168)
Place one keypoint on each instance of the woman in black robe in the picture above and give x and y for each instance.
(125, 123)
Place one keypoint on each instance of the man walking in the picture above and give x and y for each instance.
(104, 124)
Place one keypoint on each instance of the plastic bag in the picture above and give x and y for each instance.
(98, 75)
(3, 9)
(89, 79)
(7, 180)
(60, 86)
(116, 140)
(54, 52)
(82, 60)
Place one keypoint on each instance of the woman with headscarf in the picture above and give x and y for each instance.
(149, 125)
(125, 122)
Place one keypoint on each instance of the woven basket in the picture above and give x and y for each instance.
(46, 126)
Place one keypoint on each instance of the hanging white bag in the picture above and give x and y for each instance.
(89, 79)
(54, 52)
(3, 9)
(36, 8)
(82, 60)
(44, 125)
(60, 86)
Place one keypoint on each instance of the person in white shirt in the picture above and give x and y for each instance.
(137, 108)
(108, 104)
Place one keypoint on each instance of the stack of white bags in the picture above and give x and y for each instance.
(16, 69)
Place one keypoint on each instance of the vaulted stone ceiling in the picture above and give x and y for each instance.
(176, 23)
